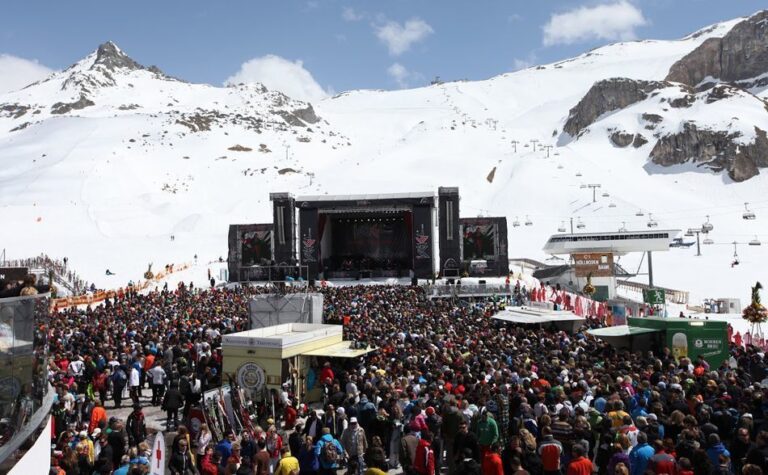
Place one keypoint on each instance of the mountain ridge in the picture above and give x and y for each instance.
(108, 183)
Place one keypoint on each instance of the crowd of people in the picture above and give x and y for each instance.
(449, 390)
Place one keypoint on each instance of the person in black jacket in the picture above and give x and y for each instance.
(465, 440)
(172, 402)
(137, 430)
(181, 461)
(467, 465)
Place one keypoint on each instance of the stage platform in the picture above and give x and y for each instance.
(564, 320)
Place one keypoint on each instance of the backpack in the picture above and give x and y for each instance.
(329, 454)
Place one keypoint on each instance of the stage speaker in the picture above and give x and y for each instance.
(414, 281)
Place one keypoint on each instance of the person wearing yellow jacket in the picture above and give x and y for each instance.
(288, 465)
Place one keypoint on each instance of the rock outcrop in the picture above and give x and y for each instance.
(740, 55)
(606, 96)
(716, 150)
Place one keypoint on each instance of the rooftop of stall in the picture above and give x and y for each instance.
(285, 340)
(563, 320)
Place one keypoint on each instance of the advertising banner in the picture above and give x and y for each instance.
(599, 264)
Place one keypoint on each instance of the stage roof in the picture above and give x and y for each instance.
(535, 316)
(371, 197)
(339, 350)
(620, 330)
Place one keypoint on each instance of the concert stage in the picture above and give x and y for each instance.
(397, 235)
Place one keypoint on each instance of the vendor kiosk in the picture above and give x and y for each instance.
(262, 359)
(685, 337)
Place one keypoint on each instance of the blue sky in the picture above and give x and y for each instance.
(346, 44)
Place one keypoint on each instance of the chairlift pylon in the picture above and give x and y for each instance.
(707, 226)
(748, 214)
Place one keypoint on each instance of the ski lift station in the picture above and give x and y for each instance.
(592, 254)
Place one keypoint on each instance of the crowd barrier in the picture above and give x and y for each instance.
(101, 295)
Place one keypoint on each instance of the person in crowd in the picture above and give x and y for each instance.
(355, 443)
(180, 461)
(172, 402)
(288, 465)
(329, 452)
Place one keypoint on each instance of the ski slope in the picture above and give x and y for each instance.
(109, 184)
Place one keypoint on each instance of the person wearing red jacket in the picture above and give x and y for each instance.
(326, 374)
(207, 466)
(424, 462)
(662, 463)
(580, 465)
(492, 464)
(289, 416)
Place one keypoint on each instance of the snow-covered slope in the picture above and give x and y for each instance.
(109, 183)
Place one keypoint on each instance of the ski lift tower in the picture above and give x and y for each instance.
(594, 187)
(697, 232)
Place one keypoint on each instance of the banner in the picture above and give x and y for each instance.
(599, 264)
(13, 273)
(157, 461)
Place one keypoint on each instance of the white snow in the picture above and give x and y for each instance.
(97, 185)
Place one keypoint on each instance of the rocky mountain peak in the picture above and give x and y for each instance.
(737, 57)
(110, 56)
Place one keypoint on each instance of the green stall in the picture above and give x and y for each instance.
(685, 337)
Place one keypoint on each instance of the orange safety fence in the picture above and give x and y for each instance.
(101, 295)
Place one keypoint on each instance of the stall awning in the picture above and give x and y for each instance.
(620, 330)
(533, 317)
(339, 350)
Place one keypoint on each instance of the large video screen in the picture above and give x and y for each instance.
(480, 241)
(371, 242)
(256, 247)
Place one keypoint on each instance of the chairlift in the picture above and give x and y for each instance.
(516, 223)
(580, 225)
(689, 233)
(640, 213)
(708, 241)
(623, 227)
(561, 229)
(748, 214)
(707, 227)
(578, 173)
(528, 221)
(605, 194)
(560, 167)
(612, 205)
(651, 222)
(735, 261)
(755, 242)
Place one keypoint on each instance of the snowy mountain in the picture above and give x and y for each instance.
(104, 161)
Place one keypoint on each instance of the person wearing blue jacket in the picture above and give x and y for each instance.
(328, 466)
(716, 449)
(640, 455)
